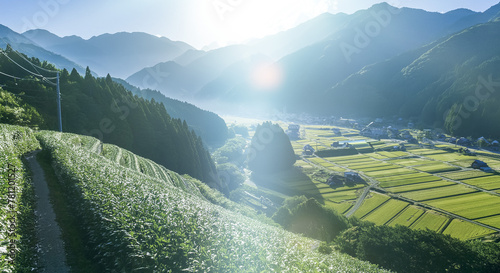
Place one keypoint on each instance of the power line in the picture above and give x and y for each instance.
(22, 67)
(14, 77)
(28, 79)
(46, 80)
(34, 65)
(28, 61)
(49, 82)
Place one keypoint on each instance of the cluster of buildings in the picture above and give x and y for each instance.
(349, 178)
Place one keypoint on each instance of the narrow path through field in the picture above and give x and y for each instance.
(366, 190)
(165, 175)
(51, 246)
(135, 163)
(118, 155)
(359, 202)
(97, 147)
(153, 168)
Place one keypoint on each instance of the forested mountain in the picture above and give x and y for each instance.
(363, 38)
(119, 54)
(451, 83)
(194, 75)
(106, 110)
(208, 125)
(182, 82)
(273, 156)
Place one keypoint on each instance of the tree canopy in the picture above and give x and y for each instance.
(104, 109)
(270, 150)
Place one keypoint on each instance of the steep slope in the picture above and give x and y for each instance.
(160, 77)
(451, 83)
(371, 36)
(136, 222)
(120, 54)
(212, 128)
(30, 48)
(105, 109)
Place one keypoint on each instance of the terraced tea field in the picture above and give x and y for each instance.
(132, 207)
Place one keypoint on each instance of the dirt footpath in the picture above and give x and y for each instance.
(51, 245)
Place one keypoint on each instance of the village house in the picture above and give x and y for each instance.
(293, 131)
(352, 177)
(308, 150)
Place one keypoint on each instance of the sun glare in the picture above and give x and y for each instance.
(240, 21)
(267, 76)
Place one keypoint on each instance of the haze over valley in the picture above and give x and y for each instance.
(250, 136)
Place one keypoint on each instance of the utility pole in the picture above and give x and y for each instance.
(59, 104)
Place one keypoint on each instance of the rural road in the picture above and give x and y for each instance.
(50, 246)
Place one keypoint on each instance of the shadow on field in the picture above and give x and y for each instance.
(290, 182)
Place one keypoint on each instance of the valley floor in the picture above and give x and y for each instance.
(425, 186)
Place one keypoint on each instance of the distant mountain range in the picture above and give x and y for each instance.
(376, 62)
(313, 57)
(211, 127)
(367, 37)
(23, 44)
(119, 54)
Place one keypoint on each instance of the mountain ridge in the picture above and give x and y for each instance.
(23, 44)
(105, 52)
(433, 83)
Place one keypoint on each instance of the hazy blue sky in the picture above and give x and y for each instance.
(197, 22)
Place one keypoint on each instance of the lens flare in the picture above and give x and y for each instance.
(267, 76)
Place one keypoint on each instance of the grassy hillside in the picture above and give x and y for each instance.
(104, 109)
(137, 222)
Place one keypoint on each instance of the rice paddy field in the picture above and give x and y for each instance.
(464, 230)
(407, 216)
(386, 212)
(471, 206)
(370, 204)
(431, 220)
(434, 177)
